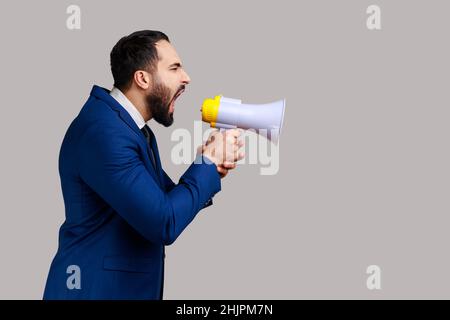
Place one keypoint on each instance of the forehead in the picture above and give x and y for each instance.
(166, 53)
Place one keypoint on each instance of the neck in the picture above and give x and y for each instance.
(139, 102)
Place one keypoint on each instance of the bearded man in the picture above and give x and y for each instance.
(121, 208)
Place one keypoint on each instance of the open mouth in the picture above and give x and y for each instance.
(175, 97)
(179, 92)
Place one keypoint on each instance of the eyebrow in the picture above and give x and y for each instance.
(176, 64)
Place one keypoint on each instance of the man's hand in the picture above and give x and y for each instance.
(222, 148)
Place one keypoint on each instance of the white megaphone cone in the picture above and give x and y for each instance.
(226, 113)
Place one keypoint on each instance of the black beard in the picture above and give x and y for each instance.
(159, 103)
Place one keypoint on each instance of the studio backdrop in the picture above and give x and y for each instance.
(353, 201)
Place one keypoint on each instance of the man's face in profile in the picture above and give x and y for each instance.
(169, 80)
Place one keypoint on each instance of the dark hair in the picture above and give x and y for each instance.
(134, 52)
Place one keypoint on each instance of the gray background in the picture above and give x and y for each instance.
(364, 156)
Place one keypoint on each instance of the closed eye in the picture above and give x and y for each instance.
(175, 66)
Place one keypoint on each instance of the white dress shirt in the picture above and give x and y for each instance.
(127, 105)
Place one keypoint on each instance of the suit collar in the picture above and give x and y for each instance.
(103, 94)
(123, 100)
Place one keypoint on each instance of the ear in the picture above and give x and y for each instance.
(143, 79)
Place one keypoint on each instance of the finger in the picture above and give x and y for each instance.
(240, 156)
(229, 165)
(222, 170)
(240, 143)
(231, 139)
(214, 133)
(234, 132)
(232, 157)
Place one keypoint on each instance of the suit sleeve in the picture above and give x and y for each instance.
(109, 162)
(169, 184)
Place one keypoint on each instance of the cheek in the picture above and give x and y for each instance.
(174, 79)
(169, 81)
(174, 84)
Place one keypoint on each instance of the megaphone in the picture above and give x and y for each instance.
(227, 113)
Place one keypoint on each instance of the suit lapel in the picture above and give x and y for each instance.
(104, 95)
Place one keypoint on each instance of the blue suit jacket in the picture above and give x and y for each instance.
(120, 210)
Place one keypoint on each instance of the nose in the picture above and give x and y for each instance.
(186, 79)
